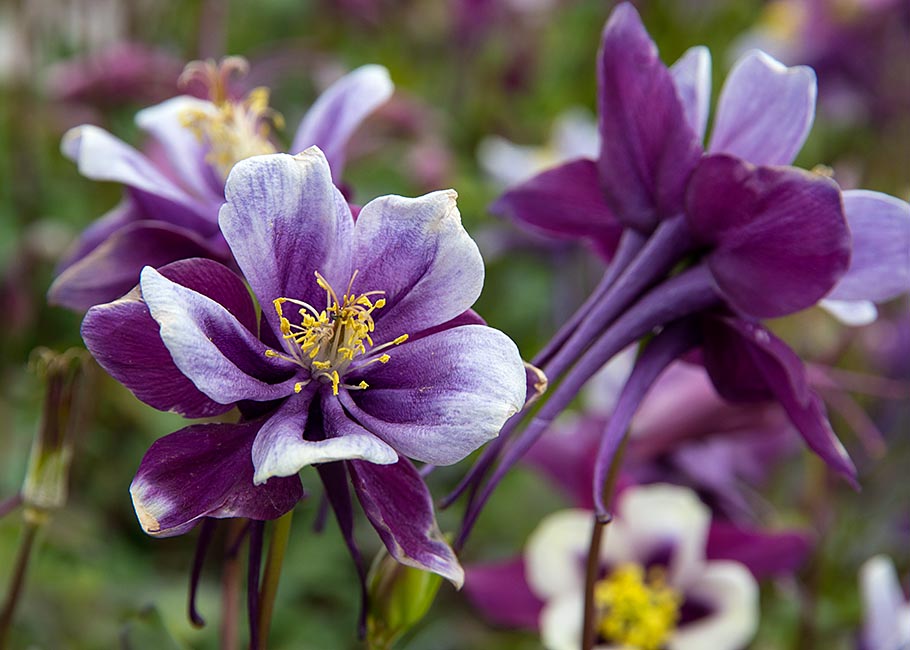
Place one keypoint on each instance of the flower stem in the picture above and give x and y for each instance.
(277, 546)
(230, 585)
(592, 567)
(17, 580)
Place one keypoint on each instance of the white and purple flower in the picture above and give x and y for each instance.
(885, 606)
(173, 193)
(365, 352)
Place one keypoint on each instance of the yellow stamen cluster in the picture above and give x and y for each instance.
(328, 341)
(636, 611)
(234, 130)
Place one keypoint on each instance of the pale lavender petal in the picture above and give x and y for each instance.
(398, 504)
(765, 110)
(779, 238)
(335, 116)
(112, 268)
(211, 347)
(184, 150)
(880, 263)
(284, 220)
(500, 591)
(648, 149)
(886, 612)
(103, 157)
(281, 449)
(419, 254)
(205, 471)
(692, 76)
(123, 338)
(439, 398)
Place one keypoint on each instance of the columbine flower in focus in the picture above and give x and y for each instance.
(885, 606)
(656, 589)
(366, 352)
(173, 193)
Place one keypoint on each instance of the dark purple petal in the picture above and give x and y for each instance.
(648, 148)
(340, 109)
(211, 347)
(112, 268)
(119, 216)
(281, 450)
(417, 252)
(765, 554)
(284, 220)
(880, 264)
(565, 201)
(692, 76)
(439, 398)
(205, 471)
(765, 110)
(123, 338)
(779, 236)
(746, 361)
(398, 504)
(500, 591)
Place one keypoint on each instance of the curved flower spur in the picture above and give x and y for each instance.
(365, 352)
(174, 191)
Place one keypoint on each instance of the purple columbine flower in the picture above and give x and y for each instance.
(366, 352)
(173, 193)
(702, 245)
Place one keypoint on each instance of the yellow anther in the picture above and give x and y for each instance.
(635, 611)
(271, 354)
(299, 386)
(335, 381)
(363, 385)
(401, 339)
(379, 304)
(384, 358)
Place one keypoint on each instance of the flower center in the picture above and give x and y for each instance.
(328, 342)
(636, 611)
(235, 129)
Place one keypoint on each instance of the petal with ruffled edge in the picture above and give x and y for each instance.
(102, 157)
(417, 252)
(205, 471)
(731, 593)
(880, 264)
(213, 349)
(281, 449)
(284, 220)
(747, 362)
(565, 201)
(398, 504)
(123, 338)
(648, 148)
(184, 150)
(692, 76)
(765, 110)
(113, 267)
(500, 591)
(333, 118)
(779, 236)
(439, 398)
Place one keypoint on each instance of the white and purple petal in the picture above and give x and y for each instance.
(123, 338)
(205, 471)
(779, 238)
(398, 504)
(442, 396)
(692, 76)
(417, 252)
(211, 347)
(341, 108)
(283, 220)
(282, 450)
(765, 110)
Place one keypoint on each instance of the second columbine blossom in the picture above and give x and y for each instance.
(365, 352)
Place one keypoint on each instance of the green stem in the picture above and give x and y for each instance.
(592, 567)
(277, 547)
(230, 586)
(17, 580)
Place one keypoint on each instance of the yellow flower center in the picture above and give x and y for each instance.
(234, 130)
(636, 611)
(327, 342)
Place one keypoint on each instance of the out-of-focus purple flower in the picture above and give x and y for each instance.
(659, 587)
(171, 205)
(367, 352)
(886, 608)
